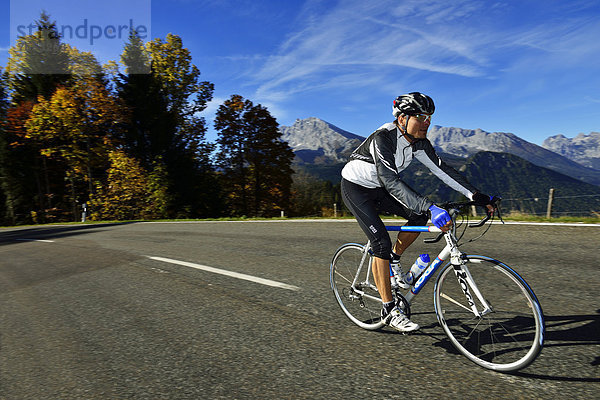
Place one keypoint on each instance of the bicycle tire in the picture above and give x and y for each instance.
(508, 338)
(361, 304)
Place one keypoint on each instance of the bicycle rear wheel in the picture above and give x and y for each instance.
(508, 336)
(360, 302)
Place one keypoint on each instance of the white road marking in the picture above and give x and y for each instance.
(237, 275)
(36, 240)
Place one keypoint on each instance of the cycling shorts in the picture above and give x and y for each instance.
(367, 204)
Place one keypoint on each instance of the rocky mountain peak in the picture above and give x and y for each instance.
(584, 149)
(316, 141)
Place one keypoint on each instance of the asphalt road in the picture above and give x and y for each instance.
(85, 313)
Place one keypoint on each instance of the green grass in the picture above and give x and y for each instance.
(539, 218)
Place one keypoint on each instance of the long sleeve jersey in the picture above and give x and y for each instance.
(378, 161)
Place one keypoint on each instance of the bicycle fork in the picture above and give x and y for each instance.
(468, 286)
(465, 281)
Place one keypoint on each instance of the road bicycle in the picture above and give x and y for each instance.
(487, 310)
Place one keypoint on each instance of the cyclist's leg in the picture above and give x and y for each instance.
(381, 274)
(363, 202)
(405, 239)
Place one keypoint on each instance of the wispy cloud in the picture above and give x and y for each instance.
(365, 36)
(467, 38)
(592, 99)
(571, 41)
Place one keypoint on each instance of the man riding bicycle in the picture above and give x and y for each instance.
(371, 184)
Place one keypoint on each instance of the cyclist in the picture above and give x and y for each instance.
(372, 184)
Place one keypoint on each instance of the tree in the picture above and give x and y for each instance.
(38, 63)
(314, 197)
(231, 158)
(165, 122)
(256, 164)
(63, 123)
(150, 129)
(135, 57)
(83, 64)
(179, 78)
(270, 161)
(25, 178)
(131, 192)
(6, 209)
(77, 126)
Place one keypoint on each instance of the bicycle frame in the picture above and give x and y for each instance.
(456, 258)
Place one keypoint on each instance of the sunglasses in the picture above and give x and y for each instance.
(422, 117)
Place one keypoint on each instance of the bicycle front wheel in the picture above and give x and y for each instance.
(353, 288)
(509, 332)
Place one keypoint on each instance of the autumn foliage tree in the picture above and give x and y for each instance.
(132, 192)
(37, 64)
(131, 144)
(77, 126)
(7, 206)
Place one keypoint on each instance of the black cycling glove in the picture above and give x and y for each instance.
(481, 199)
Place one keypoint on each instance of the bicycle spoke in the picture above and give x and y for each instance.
(444, 295)
(507, 336)
(343, 277)
(359, 299)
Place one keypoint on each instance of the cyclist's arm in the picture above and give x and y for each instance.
(426, 154)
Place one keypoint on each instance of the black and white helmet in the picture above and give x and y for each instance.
(413, 103)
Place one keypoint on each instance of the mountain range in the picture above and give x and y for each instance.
(498, 163)
(583, 149)
(317, 142)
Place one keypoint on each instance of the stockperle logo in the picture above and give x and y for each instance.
(101, 28)
(87, 31)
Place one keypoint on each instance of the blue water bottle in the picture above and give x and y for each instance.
(417, 269)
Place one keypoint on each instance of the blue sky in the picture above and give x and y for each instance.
(529, 67)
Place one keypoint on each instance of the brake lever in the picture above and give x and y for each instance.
(499, 215)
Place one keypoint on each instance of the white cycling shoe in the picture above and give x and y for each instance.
(400, 322)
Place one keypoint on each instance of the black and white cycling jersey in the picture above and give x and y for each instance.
(378, 161)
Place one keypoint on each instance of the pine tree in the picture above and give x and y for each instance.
(38, 62)
(165, 124)
(150, 129)
(135, 57)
